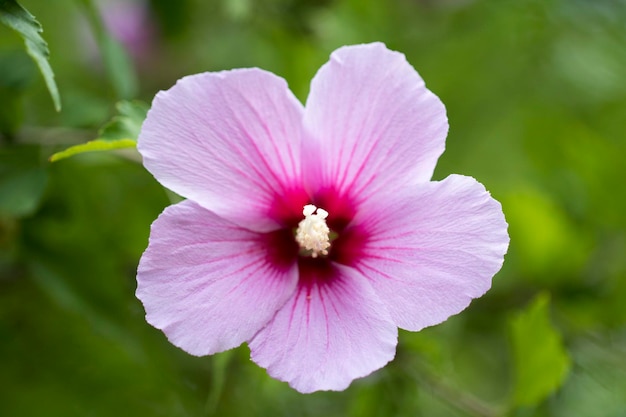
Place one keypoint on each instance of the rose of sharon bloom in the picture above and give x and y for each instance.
(311, 232)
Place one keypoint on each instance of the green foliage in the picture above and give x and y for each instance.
(16, 73)
(553, 244)
(127, 123)
(541, 361)
(23, 179)
(19, 19)
(96, 145)
(119, 133)
(536, 107)
(600, 374)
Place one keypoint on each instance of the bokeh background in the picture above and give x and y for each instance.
(536, 99)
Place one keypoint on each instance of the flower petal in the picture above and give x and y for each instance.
(230, 141)
(373, 124)
(207, 283)
(333, 330)
(430, 254)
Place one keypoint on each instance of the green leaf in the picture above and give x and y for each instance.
(540, 359)
(121, 132)
(19, 19)
(127, 124)
(94, 146)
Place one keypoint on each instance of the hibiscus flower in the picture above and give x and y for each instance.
(310, 232)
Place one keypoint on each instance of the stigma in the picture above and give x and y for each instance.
(313, 234)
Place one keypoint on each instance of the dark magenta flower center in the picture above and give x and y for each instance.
(347, 240)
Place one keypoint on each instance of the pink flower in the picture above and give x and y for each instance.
(318, 295)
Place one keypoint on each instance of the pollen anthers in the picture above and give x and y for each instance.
(313, 234)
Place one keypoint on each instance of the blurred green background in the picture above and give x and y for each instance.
(536, 100)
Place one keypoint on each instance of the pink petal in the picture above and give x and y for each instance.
(374, 126)
(207, 283)
(430, 254)
(229, 141)
(333, 330)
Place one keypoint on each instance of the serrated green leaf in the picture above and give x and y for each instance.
(94, 146)
(540, 359)
(19, 19)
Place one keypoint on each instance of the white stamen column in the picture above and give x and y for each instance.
(313, 232)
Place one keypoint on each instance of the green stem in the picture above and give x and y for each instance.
(218, 378)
